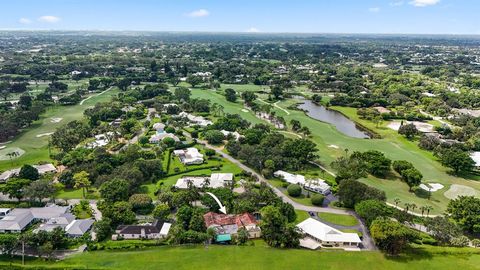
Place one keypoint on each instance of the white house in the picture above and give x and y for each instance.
(196, 120)
(327, 236)
(216, 180)
(189, 156)
(290, 178)
(318, 186)
(234, 134)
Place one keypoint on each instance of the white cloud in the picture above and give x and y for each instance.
(253, 30)
(374, 9)
(198, 13)
(49, 19)
(397, 3)
(25, 21)
(424, 3)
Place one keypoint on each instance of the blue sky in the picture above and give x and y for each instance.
(312, 16)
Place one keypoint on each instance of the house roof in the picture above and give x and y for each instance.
(325, 233)
(214, 219)
(16, 220)
(79, 226)
(290, 178)
(154, 228)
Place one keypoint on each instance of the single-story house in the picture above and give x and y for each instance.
(290, 178)
(160, 136)
(189, 156)
(157, 230)
(216, 180)
(318, 186)
(196, 120)
(19, 218)
(230, 224)
(42, 169)
(234, 134)
(78, 227)
(327, 236)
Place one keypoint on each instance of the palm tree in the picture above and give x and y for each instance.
(407, 206)
(396, 200)
(413, 206)
(423, 209)
(428, 209)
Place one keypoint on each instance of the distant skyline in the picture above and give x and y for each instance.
(269, 16)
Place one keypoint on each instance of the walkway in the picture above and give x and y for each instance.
(101, 93)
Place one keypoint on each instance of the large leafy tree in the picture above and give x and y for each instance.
(40, 189)
(28, 172)
(376, 162)
(82, 181)
(391, 236)
(115, 190)
(275, 228)
(351, 192)
(457, 160)
(14, 187)
(465, 210)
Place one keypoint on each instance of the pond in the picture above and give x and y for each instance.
(342, 123)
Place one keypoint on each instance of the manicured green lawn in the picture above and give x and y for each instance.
(344, 220)
(229, 107)
(261, 257)
(301, 216)
(392, 145)
(36, 148)
(78, 194)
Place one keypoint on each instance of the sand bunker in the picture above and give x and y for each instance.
(422, 127)
(4, 153)
(432, 187)
(333, 146)
(460, 190)
(44, 134)
(1, 147)
(244, 110)
(55, 120)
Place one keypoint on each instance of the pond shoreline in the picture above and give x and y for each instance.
(368, 132)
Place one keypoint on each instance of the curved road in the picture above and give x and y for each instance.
(367, 240)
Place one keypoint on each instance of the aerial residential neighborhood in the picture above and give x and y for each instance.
(239, 134)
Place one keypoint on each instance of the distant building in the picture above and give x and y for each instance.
(42, 169)
(157, 230)
(227, 225)
(196, 120)
(314, 185)
(216, 180)
(290, 178)
(189, 156)
(326, 236)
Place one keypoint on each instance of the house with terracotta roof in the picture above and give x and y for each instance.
(227, 225)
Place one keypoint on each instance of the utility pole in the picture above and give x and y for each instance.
(23, 252)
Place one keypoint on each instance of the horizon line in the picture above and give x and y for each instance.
(236, 32)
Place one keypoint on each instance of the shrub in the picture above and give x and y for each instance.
(317, 199)
(461, 241)
(294, 190)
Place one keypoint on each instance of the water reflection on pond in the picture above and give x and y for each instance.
(342, 123)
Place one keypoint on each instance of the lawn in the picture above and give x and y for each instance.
(229, 107)
(343, 220)
(259, 256)
(393, 145)
(301, 216)
(31, 140)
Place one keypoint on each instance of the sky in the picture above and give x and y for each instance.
(282, 16)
